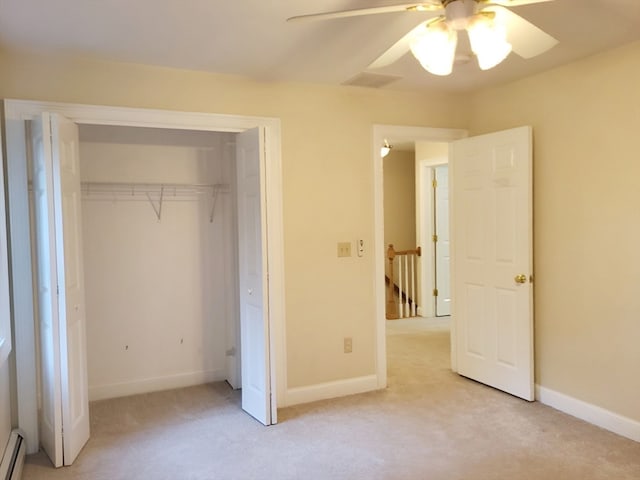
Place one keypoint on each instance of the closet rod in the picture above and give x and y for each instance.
(164, 190)
(142, 186)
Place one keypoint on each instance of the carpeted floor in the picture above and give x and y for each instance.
(429, 424)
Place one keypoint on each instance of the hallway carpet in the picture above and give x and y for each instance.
(428, 424)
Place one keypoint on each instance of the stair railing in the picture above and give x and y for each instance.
(405, 262)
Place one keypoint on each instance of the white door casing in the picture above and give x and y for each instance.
(50, 417)
(491, 215)
(442, 245)
(56, 187)
(252, 272)
(397, 133)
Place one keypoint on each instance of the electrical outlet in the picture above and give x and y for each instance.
(344, 249)
(348, 345)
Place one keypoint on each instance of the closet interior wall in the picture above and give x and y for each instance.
(159, 259)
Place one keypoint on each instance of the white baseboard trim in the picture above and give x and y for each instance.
(146, 385)
(599, 416)
(323, 391)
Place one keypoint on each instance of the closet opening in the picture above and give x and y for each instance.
(51, 181)
(159, 241)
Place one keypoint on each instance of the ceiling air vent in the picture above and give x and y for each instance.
(371, 80)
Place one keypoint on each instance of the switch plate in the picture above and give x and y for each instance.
(344, 249)
(348, 345)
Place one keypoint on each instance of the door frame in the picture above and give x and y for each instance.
(395, 133)
(16, 113)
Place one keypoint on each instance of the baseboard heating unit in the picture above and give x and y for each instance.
(13, 459)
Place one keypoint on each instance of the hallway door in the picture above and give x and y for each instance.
(442, 245)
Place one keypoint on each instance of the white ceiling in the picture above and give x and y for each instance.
(252, 38)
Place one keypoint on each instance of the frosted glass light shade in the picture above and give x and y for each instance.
(488, 41)
(385, 149)
(435, 48)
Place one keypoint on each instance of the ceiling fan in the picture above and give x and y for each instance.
(494, 32)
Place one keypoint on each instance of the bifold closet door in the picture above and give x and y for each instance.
(62, 325)
(254, 327)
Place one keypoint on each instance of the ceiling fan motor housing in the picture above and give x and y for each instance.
(458, 12)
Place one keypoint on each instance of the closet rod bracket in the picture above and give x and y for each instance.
(158, 210)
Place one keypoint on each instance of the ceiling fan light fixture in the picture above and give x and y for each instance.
(435, 48)
(488, 41)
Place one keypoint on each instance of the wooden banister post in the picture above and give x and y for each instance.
(392, 308)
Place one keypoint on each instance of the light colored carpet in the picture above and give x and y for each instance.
(429, 424)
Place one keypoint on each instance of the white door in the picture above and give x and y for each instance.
(254, 326)
(61, 288)
(443, 256)
(491, 213)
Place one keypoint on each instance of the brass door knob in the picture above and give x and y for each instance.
(522, 278)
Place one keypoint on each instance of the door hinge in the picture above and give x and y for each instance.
(435, 238)
(435, 183)
(57, 289)
(435, 292)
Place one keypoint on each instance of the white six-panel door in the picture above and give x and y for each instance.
(254, 331)
(491, 213)
(443, 245)
(56, 180)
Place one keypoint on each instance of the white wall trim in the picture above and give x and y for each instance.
(22, 285)
(155, 384)
(598, 416)
(323, 391)
(18, 111)
(394, 133)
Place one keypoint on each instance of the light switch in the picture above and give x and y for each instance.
(360, 248)
(344, 249)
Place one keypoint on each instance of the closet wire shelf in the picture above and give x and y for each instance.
(155, 193)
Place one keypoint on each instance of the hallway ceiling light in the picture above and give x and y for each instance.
(385, 149)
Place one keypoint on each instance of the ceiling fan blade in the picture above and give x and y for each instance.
(428, 6)
(397, 50)
(513, 3)
(525, 38)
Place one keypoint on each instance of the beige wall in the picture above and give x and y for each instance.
(586, 119)
(327, 175)
(399, 200)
